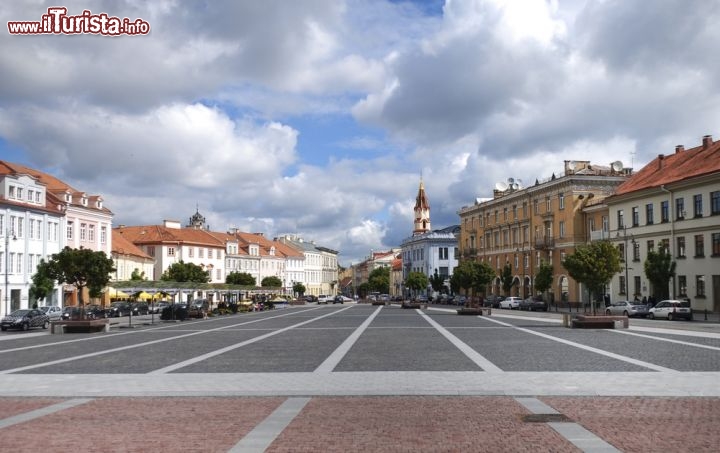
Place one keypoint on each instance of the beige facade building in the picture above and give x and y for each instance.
(672, 203)
(526, 226)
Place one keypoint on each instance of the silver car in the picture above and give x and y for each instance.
(53, 311)
(671, 309)
(627, 308)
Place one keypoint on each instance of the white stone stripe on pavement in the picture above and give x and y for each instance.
(641, 363)
(133, 346)
(669, 340)
(571, 431)
(37, 413)
(217, 352)
(337, 355)
(267, 431)
(472, 354)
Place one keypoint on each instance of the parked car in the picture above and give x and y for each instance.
(157, 307)
(95, 312)
(24, 319)
(177, 311)
(533, 303)
(324, 299)
(140, 308)
(459, 300)
(627, 308)
(198, 308)
(510, 303)
(671, 309)
(493, 301)
(338, 300)
(118, 309)
(310, 298)
(53, 311)
(70, 312)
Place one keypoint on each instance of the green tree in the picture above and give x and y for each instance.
(416, 281)
(271, 282)
(593, 265)
(42, 284)
(659, 269)
(82, 268)
(472, 276)
(240, 278)
(544, 277)
(299, 289)
(379, 280)
(507, 279)
(185, 272)
(437, 281)
(137, 275)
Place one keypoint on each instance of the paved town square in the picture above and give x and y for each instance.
(358, 377)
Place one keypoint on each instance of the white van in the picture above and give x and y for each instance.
(324, 299)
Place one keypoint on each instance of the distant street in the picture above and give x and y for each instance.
(359, 377)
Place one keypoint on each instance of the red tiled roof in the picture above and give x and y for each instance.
(153, 234)
(53, 185)
(122, 246)
(681, 165)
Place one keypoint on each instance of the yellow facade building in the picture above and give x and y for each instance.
(543, 222)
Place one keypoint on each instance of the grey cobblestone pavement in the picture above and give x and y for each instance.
(363, 378)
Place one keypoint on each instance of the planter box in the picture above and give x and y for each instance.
(476, 311)
(599, 322)
(80, 326)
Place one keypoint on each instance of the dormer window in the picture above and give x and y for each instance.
(272, 251)
(11, 193)
(68, 198)
(98, 204)
(83, 201)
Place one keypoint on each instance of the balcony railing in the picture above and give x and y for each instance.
(599, 235)
(544, 242)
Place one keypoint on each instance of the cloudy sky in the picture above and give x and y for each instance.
(319, 117)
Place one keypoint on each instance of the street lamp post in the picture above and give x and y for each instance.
(625, 240)
(7, 269)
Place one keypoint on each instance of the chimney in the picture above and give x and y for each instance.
(661, 157)
(707, 141)
(679, 149)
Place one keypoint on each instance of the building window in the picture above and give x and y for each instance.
(715, 244)
(622, 284)
(505, 217)
(11, 193)
(681, 247)
(650, 246)
(218, 274)
(515, 212)
(699, 246)
(620, 219)
(679, 208)
(682, 285)
(517, 262)
(635, 216)
(210, 253)
(548, 204)
(649, 214)
(621, 249)
(30, 198)
(636, 251)
(201, 252)
(171, 251)
(443, 253)
(19, 193)
(700, 286)
(664, 211)
(83, 231)
(697, 206)
(69, 229)
(715, 202)
(103, 235)
(191, 252)
(151, 250)
(31, 232)
(524, 210)
(496, 216)
(536, 207)
(37, 197)
(561, 228)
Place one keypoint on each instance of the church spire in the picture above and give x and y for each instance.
(422, 211)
